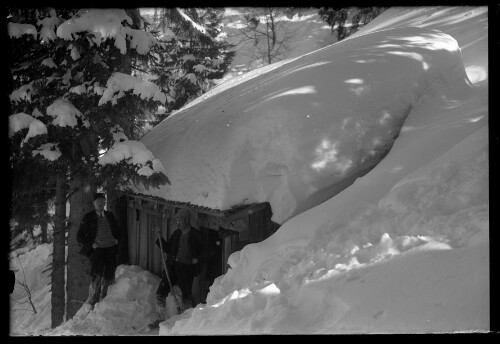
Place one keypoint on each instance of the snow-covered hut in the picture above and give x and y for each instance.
(225, 232)
(286, 137)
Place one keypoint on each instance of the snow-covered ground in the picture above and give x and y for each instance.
(30, 266)
(403, 249)
(308, 32)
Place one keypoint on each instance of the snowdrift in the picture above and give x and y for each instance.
(127, 308)
(403, 249)
(31, 268)
(299, 133)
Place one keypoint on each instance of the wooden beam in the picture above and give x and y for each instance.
(172, 204)
(253, 208)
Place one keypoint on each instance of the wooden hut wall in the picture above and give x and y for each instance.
(142, 248)
(133, 229)
(120, 212)
(232, 233)
(260, 226)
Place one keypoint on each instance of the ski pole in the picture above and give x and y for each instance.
(166, 272)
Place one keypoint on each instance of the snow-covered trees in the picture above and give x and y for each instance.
(268, 32)
(197, 53)
(338, 17)
(79, 99)
(72, 91)
(73, 99)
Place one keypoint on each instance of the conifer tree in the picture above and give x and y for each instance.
(75, 103)
(197, 55)
(80, 99)
(337, 18)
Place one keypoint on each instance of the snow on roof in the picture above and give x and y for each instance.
(298, 132)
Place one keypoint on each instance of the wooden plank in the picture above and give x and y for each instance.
(173, 204)
(251, 209)
(132, 236)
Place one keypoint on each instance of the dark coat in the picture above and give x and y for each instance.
(196, 242)
(88, 231)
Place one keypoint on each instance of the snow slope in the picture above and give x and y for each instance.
(29, 268)
(308, 32)
(425, 204)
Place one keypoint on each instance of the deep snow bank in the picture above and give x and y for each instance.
(298, 134)
(127, 308)
(403, 249)
(345, 278)
(33, 269)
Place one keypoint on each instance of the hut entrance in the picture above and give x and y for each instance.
(225, 232)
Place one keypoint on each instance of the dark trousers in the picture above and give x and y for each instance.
(181, 275)
(103, 263)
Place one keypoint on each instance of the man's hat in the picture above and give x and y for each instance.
(99, 195)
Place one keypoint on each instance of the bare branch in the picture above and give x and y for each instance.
(26, 288)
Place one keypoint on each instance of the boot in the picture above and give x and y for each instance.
(154, 325)
(161, 313)
(186, 303)
(94, 291)
(104, 288)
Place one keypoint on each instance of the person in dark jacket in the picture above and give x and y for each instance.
(99, 236)
(183, 251)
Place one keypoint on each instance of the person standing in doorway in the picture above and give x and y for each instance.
(99, 236)
(183, 250)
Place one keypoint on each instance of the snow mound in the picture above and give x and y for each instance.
(300, 133)
(404, 248)
(325, 285)
(29, 268)
(128, 306)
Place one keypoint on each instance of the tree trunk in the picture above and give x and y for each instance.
(111, 196)
(58, 255)
(81, 202)
(118, 206)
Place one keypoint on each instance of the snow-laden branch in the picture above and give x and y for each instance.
(18, 122)
(22, 93)
(17, 30)
(107, 24)
(65, 114)
(195, 25)
(134, 153)
(49, 151)
(119, 83)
